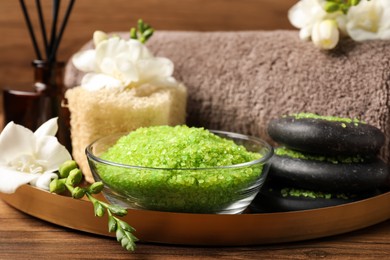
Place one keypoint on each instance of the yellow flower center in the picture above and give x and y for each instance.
(28, 164)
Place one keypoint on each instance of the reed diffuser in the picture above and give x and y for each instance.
(50, 47)
(46, 100)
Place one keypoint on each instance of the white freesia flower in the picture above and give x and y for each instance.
(305, 14)
(369, 20)
(119, 63)
(325, 34)
(28, 157)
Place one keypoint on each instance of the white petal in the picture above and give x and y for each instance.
(52, 152)
(98, 37)
(305, 33)
(342, 24)
(297, 17)
(110, 49)
(15, 140)
(126, 69)
(85, 60)
(95, 81)
(50, 127)
(306, 13)
(108, 66)
(10, 179)
(156, 71)
(43, 180)
(155, 68)
(139, 49)
(136, 50)
(145, 53)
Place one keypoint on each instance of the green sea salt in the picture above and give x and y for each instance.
(342, 120)
(283, 151)
(291, 192)
(177, 184)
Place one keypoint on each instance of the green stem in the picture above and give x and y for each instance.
(123, 231)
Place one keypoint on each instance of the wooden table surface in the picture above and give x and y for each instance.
(26, 237)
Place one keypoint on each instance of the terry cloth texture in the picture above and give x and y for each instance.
(239, 81)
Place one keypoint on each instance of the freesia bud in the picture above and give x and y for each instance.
(99, 209)
(57, 186)
(112, 225)
(78, 193)
(66, 167)
(75, 177)
(133, 33)
(117, 210)
(325, 34)
(331, 7)
(98, 37)
(354, 2)
(96, 187)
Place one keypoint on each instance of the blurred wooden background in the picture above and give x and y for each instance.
(16, 51)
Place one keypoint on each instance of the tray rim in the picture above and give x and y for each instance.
(206, 229)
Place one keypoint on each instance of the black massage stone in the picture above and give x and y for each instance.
(271, 200)
(322, 136)
(328, 176)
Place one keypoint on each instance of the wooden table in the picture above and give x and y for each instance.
(25, 237)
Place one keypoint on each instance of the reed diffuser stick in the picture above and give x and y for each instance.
(30, 29)
(61, 32)
(56, 8)
(43, 27)
(51, 47)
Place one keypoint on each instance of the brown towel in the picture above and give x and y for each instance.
(238, 81)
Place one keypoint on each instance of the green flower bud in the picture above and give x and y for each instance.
(78, 193)
(355, 2)
(120, 234)
(66, 167)
(126, 226)
(99, 209)
(57, 186)
(124, 242)
(96, 187)
(148, 33)
(130, 246)
(112, 225)
(74, 178)
(331, 7)
(117, 210)
(141, 26)
(133, 33)
(142, 39)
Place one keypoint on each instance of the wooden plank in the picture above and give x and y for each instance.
(24, 237)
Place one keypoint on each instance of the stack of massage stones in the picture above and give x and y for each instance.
(322, 161)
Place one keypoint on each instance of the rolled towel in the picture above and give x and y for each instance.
(239, 81)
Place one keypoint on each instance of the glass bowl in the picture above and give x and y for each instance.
(216, 190)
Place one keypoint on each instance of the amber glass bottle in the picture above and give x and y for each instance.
(44, 101)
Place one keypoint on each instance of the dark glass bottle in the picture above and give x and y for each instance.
(45, 101)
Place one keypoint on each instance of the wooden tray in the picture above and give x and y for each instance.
(206, 229)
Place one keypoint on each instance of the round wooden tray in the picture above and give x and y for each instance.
(206, 229)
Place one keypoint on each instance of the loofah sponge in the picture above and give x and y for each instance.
(103, 112)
